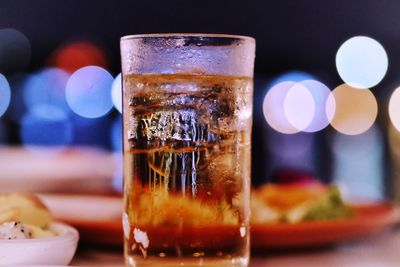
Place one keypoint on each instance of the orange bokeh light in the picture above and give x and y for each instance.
(356, 110)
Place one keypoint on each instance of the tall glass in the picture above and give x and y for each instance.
(187, 116)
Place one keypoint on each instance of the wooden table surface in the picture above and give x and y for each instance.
(382, 250)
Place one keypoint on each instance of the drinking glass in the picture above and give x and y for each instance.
(187, 117)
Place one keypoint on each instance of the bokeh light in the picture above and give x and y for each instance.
(273, 108)
(116, 93)
(299, 106)
(116, 143)
(46, 125)
(394, 108)
(5, 94)
(47, 87)
(88, 92)
(355, 112)
(292, 76)
(75, 55)
(320, 93)
(361, 62)
(15, 50)
(116, 134)
(290, 107)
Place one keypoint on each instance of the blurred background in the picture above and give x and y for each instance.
(326, 103)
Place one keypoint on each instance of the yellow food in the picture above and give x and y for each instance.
(27, 211)
(37, 232)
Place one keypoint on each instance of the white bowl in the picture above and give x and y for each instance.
(58, 250)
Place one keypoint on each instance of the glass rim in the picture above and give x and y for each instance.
(187, 35)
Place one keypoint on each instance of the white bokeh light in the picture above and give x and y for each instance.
(361, 62)
(273, 108)
(394, 108)
(116, 93)
(293, 106)
(88, 92)
(299, 106)
(320, 93)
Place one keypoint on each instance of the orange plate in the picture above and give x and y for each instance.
(370, 219)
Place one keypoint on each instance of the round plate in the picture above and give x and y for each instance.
(370, 219)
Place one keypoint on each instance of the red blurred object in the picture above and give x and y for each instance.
(370, 219)
(73, 56)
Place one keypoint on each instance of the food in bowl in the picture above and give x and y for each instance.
(24, 216)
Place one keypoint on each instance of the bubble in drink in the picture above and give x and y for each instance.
(187, 168)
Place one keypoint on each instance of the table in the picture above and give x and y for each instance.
(381, 250)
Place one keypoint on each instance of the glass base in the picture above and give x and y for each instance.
(187, 262)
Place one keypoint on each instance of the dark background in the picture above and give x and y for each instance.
(290, 34)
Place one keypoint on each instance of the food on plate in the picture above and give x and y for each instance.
(294, 203)
(24, 216)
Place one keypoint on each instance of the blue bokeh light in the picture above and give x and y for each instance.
(46, 125)
(47, 87)
(88, 92)
(116, 134)
(116, 93)
(5, 94)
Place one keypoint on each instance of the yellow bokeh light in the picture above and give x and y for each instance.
(394, 108)
(356, 110)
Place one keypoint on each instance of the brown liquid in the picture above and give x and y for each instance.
(187, 169)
